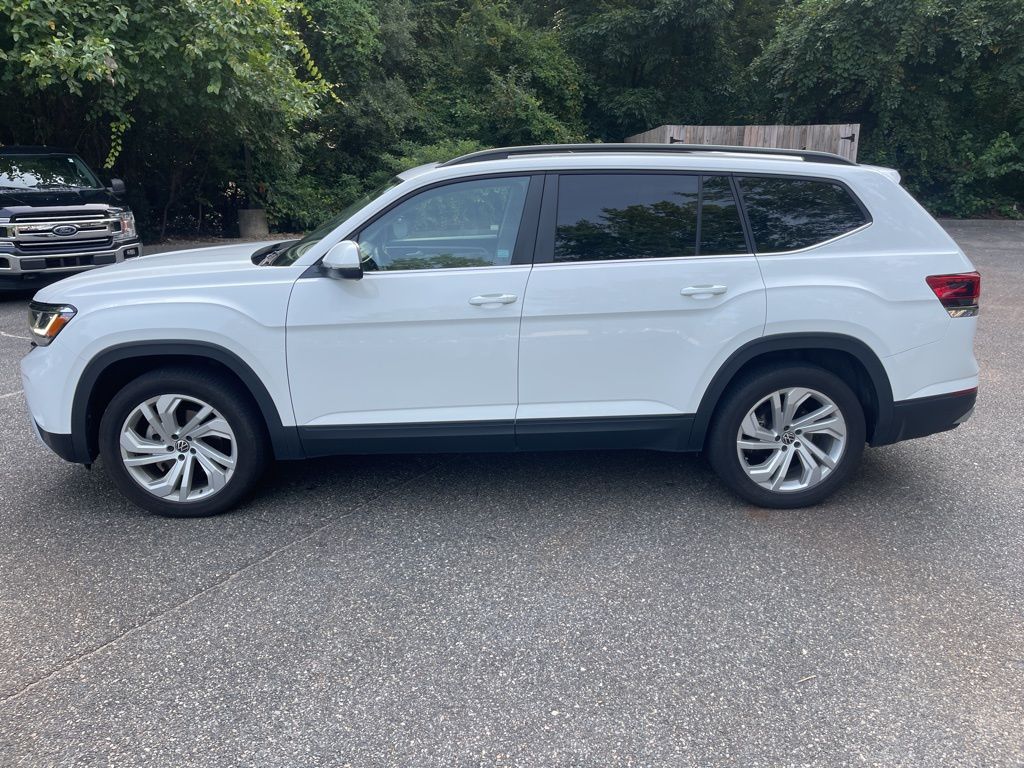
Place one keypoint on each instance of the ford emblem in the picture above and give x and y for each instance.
(65, 230)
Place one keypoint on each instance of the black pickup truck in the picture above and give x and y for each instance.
(56, 218)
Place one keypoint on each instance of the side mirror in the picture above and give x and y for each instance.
(117, 187)
(344, 261)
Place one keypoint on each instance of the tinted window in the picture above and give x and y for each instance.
(625, 216)
(720, 228)
(786, 214)
(466, 224)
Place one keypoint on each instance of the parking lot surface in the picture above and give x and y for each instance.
(586, 609)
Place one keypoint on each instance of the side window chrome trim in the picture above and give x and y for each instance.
(446, 270)
(315, 271)
(649, 260)
(806, 248)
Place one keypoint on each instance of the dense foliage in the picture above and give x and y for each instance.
(938, 86)
(301, 105)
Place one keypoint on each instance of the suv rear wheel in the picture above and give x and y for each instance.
(787, 437)
(183, 443)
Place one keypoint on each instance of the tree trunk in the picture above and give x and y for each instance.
(172, 193)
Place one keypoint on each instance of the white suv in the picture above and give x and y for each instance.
(775, 309)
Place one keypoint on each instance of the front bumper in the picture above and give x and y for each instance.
(62, 445)
(18, 269)
(49, 376)
(43, 380)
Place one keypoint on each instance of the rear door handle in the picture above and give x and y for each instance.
(703, 291)
(492, 298)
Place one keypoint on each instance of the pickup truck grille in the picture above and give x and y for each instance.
(65, 245)
(60, 233)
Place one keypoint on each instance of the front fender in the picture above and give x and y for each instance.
(239, 323)
(284, 437)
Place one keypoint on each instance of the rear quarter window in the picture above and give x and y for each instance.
(788, 214)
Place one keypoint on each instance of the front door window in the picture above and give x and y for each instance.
(465, 224)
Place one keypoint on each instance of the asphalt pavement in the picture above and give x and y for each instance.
(585, 609)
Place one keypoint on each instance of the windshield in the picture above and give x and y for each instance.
(44, 172)
(295, 250)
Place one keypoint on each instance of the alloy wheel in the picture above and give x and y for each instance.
(791, 440)
(178, 448)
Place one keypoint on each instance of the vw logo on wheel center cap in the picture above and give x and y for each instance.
(182, 446)
(65, 230)
(788, 438)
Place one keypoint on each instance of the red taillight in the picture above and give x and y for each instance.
(959, 293)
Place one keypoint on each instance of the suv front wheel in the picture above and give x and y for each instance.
(787, 437)
(183, 442)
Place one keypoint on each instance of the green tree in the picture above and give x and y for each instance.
(421, 81)
(938, 86)
(165, 94)
(305, 104)
(649, 62)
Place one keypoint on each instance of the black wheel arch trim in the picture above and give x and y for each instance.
(881, 430)
(284, 439)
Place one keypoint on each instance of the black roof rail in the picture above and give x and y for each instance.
(505, 153)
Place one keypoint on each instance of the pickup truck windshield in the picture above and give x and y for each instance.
(48, 171)
(290, 251)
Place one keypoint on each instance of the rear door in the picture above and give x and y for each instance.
(643, 284)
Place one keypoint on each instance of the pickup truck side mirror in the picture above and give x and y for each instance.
(117, 187)
(344, 261)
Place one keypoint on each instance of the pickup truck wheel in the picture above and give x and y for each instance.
(787, 437)
(183, 443)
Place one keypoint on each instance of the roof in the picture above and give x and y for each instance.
(417, 171)
(614, 158)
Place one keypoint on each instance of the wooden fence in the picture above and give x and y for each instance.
(842, 139)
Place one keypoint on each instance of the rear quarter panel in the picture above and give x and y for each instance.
(869, 284)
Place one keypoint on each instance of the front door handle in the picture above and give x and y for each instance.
(492, 298)
(703, 291)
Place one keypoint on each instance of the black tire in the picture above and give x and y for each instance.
(750, 390)
(232, 402)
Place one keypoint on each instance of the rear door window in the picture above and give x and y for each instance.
(645, 216)
(721, 232)
(788, 214)
(626, 216)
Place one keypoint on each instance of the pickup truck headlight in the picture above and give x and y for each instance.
(127, 231)
(46, 320)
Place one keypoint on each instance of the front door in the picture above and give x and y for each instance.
(421, 353)
(643, 285)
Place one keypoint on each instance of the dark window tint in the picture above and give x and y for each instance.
(786, 214)
(720, 228)
(625, 216)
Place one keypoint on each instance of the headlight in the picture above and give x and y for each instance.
(46, 320)
(128, 232)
